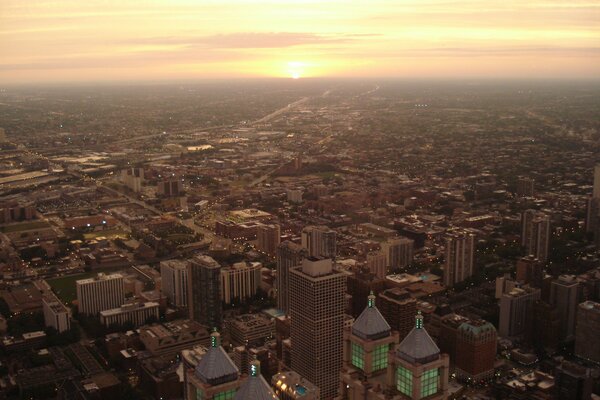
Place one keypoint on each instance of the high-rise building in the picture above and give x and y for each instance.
(459, 259)
(366, 350)
(525, 187)
(103, 292)
(535, 234)
(317, 303)
(573, 382)
(476, 342)
(133, 178)
(359, 286)
(174, 281)
(268, 237)
(289, 255)
(204, 291)
(417, 368)
(56, 314)
(530, 271)
(376, 263)
(319, 241)
(544, 332)
(215, 377)
(240, 281)
(398, 252)
(515, 310)
(398, 308)
(587, 344)
(170, 187)
(564, 295)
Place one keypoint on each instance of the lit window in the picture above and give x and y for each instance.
(226, 395)
(380, 357)
(429, 382)
(404, 381)
(358, 356)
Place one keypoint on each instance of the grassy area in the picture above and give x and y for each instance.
(64, 287)
(107, 233)
(24, 226)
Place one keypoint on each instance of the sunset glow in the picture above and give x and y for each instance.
(74, 40)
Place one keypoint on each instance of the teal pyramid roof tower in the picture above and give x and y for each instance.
(370, 324)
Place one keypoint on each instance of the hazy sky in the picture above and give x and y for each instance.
(87, 40)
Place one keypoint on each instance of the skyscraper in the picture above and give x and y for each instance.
(476, 342)
(319, 241)
(564, 295)
(515, 310)
(101, 293)
(587, 344)
(204, 291)
(398, 252)
(289, 255)
(459, 260)
(268, 237)
(174, 283)
(535, 234)
(317, 320)
(530, 271)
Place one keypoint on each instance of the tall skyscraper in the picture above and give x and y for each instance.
(204, 291)
(317, 305)
(515, 310)
(459, 260)
(268, 237)
(240, 281)
(587, 344)
(398, 252)
(174, 282)
(417, 368)
(103, 292)
(564, 295)
(476, 342)
(319, 241)
(535, 234)
(289, 255)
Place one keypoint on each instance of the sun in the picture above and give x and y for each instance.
(296, 69)
(296, 75)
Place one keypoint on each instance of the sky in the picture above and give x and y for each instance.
(155, 40)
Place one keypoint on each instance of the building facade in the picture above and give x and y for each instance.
(136, 314)
(398, 252)
(587, 344)
(459, 257)
(320, 241)
(174, 281)
(268, 238)
(204, 291)
(535, 234)
(289, 255)
(240, 281)
(104, 292)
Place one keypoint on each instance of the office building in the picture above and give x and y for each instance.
(289, 255)
(398, 309)
(268, 238)
(133, 178)
(459, 257)
(516, 310)
(377, 264)
(204, 291)
(56, 314)
(215, 377)
(135, 314)
(170, 187)
(317, 305)
(174, 282)
(103, 292)
(319, 241)
(587, 344)
(530, 271)
(367, 345)
(535, 234)
(564, 296)
(398, 252)
(476, 342)
(240, 281)
(417, 368)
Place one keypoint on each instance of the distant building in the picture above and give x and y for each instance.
(320, 241)
(564, 295)
(240, 281)
(133, 178)
(135, 313)
(56, 314)
(170, 187)
(251, 329)
(103, 292)
(476, 342)
(530, 271)
(289, 255)
(377, 264)
(398, 252)
(317, 320)
(268, 237)
(459, 257)
(204, 291)
(294, 195)
(398, 308)
(174, 281)
(525, 187)
(515, 310)
(535, 234)
(587, 344)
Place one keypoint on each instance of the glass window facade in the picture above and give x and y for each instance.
(226, 395)
(429, 382)
(358, 356)
(404, 381)
(380, 357)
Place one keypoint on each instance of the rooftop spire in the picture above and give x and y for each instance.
(255, 368)
(371, 300)
(419, 320)
(215, 339)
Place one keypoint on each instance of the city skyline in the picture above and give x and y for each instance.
(70, 41)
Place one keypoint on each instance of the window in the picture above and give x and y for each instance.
(380, 357)
(226, 395)
(358, 356)
(404, 381)
(429, 382)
